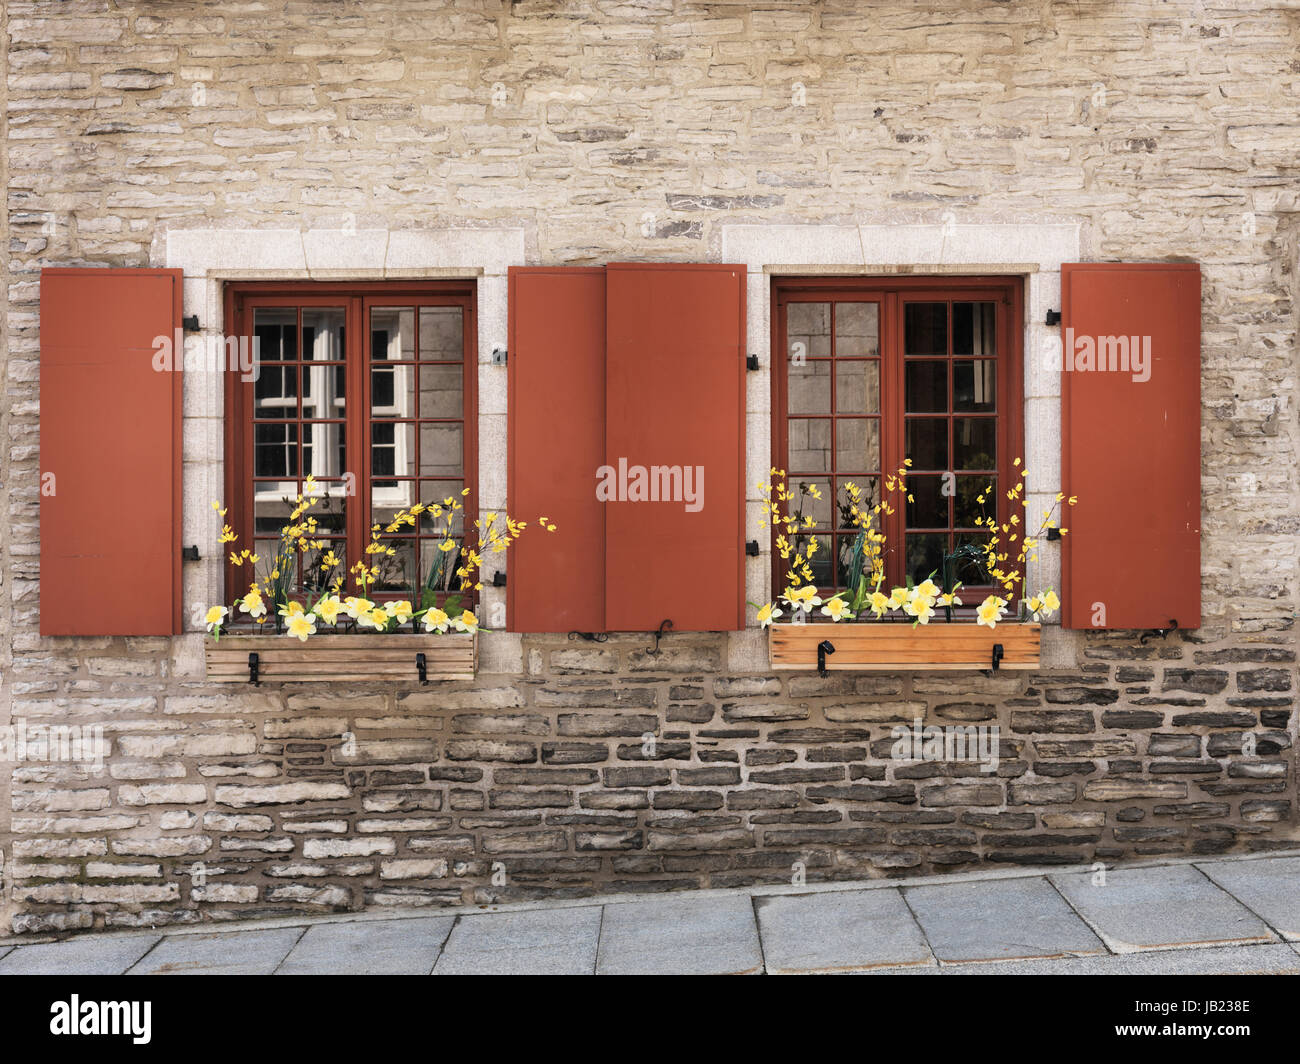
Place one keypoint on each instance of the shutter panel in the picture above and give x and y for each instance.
(111, 440)
(675, 398)
(556, 443)
(1131, 448)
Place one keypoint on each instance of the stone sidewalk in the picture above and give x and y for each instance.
(1224, 916)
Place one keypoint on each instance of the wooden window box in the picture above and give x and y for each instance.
(889, 647)
(342, 658)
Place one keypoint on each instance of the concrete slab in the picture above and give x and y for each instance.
(680, 936)
(78, 956)
(1155, 908)
(372, 947)
(998, 920)
(1270, 887)
(219, 953)
(539, 942)
(1276, 959)
(845, 931)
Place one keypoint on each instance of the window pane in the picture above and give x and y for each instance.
(868, 496)
(322, 334)
(809, 385)
(925, 555)
(975, 442)
(442, 447)
(392, 391)
(431, 555)
(436, 492)
(809, 445)
(805, 504)
(926, 387)
(441, 391)
(323, 452)
(823, 563)
(857, 445)
(857, 328)
(925, 329)
(389, 496)
(392, 333)
(929, 505)
(974, 384)
(273, 501)
(275, 450)
(972, 572)
(808, 330)
(968, 505)
(974, 328)
(392, 449)
(274, 333)
(331, 508)
(857, 387)
(276, 392)
(442, 334)
(927, 442)
(396, 570)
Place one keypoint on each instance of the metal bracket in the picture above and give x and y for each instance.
(190, 324)
(499, 356)
(751, 548)
(591, 637)
(190, 554)
(1053, 317)
(751, 362)
(422, 667)
(1161, 632)
(254, 664)
(823, 648)
(997, 656)
(663, 630)
(498, 579)
(1053, 533)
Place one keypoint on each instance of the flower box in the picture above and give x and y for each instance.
(399, 658)
(890, 647)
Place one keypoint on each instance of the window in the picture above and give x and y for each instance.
(870, 373)
(370, 389)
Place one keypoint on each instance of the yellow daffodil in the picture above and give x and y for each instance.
(990, 611)
(400, 609)
(1050, 601)
(767, 614)
(897, 597)
(880, 603)
(949, 598)
(837, 610)
(435, 620)
(329, 608)
(291, 609)
(927, 589)
(466, 622)
(803, 598)
(356, 608)
(376, 617)
(253, 604)
(301, 625)
(215, 617)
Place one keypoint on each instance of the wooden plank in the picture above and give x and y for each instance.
(344, 658)
(893, 648)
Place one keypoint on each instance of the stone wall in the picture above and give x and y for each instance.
(611, 132)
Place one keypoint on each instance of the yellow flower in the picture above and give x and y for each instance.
(329, 609)
(991, 610)
(949, 599)
(803, 598)
(837, 610)
(767, 614)
(1051, 601)
(466, 622)
(435, 620)
(880, 603)
(376, 618)
(897, 597)
(215, 616)
(356, 607)
(291, 609)
(400, 609)
(301, 625)
(927, 589)
(252, 603)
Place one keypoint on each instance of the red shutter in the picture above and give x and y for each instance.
(675, 397)
(110, 453)
(556, 408)
(1132, 448)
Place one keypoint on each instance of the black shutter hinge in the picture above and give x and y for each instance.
(499, 356)
(1053, 317)
(498, 579)
(751, 548)
(1053, 533)
(190, 324)
(190, 554)
(751, 362)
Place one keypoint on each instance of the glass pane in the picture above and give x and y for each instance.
(925, 329)
(857, 445)
(322, 391)
(925, 555)
(396, 570)
(974, 384)
(435, 492)
(975, 442)
(275, 450)
(392, 333)
(392, 449)
(316, 575)
(331, 507)
(392, 391)
(808, 330)
(857, 328)
(810, 445)
(971, 571)
(275, 392)
(974, 329)
(968, 505)
(442, 562)
(441, 391)
(857, 387)
(868, 496)
(929, 505)
(273, 501)
(322, 334)
(809, 388)
(806, 504)
(926, 387)
(442, 447)
(927, 442)
(323, 449)
(823, 562)
(442, 334)
(274, 334)
(387, 497)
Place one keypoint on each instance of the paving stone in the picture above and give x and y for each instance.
(1274, 959)
(680, 936)
(1150, 908)
(1003, 919)
(839, 931)
(531, 942)
(84, 955)
(1270, 887)
(369, 947)
(219, 953)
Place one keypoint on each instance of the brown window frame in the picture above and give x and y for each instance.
(892, 292)
(357, 299)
